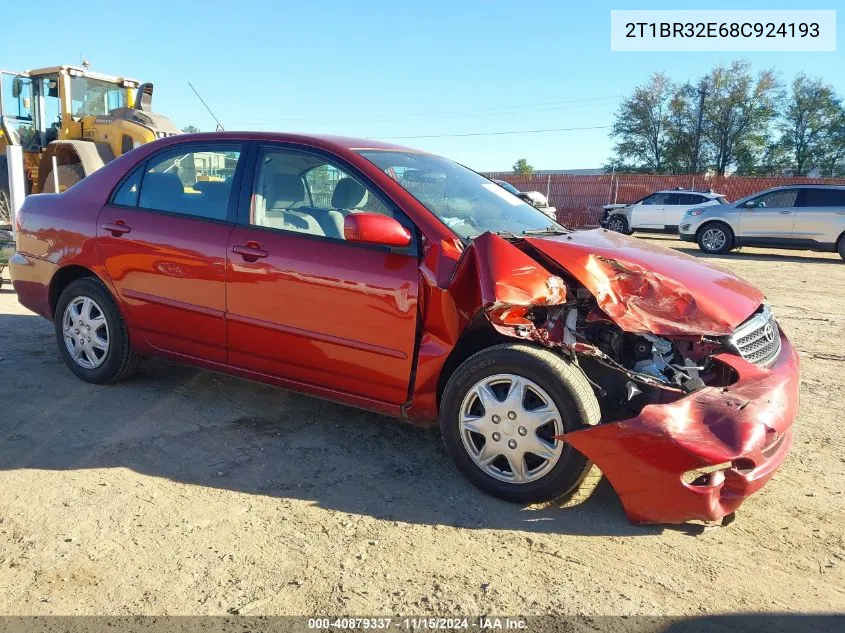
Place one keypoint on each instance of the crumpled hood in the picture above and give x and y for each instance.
(646, 288)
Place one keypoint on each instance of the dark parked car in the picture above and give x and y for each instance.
(403, 283)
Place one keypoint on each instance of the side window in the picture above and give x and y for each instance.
(692, 198)
(127, 194)
(655, 198)
(305, 193)
(777, 199)
(673, 199)
(194, 182)
(823, 198)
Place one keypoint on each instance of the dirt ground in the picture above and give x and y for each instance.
(188, 492)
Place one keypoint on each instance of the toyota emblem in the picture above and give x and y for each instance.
(769, 333)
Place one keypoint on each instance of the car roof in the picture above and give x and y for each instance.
(324, 140)
(706, 194)
(806, 185)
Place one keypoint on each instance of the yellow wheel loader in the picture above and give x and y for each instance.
(81, 118)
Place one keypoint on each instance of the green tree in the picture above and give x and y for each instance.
(640, 127)
(738, 113)
(833, 162)
(685, 150)
(190, 129)
(522, 167)
(808, 124)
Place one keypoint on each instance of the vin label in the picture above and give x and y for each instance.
(722, 30)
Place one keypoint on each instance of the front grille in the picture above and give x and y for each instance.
(758, 339)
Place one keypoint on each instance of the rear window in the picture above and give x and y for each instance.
(824, 198)
(195, 181)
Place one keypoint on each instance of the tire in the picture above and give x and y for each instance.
(618, 224)
(709, 239)
(118, 361)
(69, 175)
(563, 383)
(841, 248)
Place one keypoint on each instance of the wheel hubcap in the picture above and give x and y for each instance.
(508, 426)
(616, 225)
(86, 332)
(714, 239)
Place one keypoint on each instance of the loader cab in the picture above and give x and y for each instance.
(18, 108)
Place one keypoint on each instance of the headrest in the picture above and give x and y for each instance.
(348, 194)
(158, 186)
(282, 191)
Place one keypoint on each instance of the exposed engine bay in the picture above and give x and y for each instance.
(627, 370)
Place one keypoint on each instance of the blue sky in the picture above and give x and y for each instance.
(391, 69)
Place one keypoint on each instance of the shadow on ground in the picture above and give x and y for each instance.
(744, 254)
(208, 429)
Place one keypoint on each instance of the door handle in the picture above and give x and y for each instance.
(785, 212)
(250, 251)
(116, 228)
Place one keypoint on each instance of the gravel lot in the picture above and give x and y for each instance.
(189, 492)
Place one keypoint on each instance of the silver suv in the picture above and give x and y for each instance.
(797, 216)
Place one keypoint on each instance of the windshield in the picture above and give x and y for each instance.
(463, 200)
(95, 96)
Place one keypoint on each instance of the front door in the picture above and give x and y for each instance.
(769, 217)
(305, 305)
(163, 237)
(648, 214)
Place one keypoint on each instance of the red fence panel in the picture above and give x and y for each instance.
(579, 198)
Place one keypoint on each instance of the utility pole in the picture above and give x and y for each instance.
(702, 91)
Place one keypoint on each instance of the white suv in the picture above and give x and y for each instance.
(660, 211)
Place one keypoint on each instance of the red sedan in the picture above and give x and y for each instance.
(401, 282)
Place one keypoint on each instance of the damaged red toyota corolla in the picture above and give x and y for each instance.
(403, 283)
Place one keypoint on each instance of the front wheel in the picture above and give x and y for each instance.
(500, 416)
(715, 238)
(618, 223)
(92, 335)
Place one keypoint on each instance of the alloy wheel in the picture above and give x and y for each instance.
(714, 239)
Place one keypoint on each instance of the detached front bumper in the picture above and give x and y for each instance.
(745, 430)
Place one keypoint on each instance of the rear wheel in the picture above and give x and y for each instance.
(618, 224)
(92, 335)
(841, 248)
(500, 414)
(715, 237)
(68, 175)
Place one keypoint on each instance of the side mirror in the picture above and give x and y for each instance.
(750, 204)
(17, 87)
(374, 228)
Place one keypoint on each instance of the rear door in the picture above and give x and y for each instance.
(163, 237)
(682, 202)
(819, 216)
(769, 218)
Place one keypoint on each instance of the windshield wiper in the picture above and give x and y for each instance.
(549, 230)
